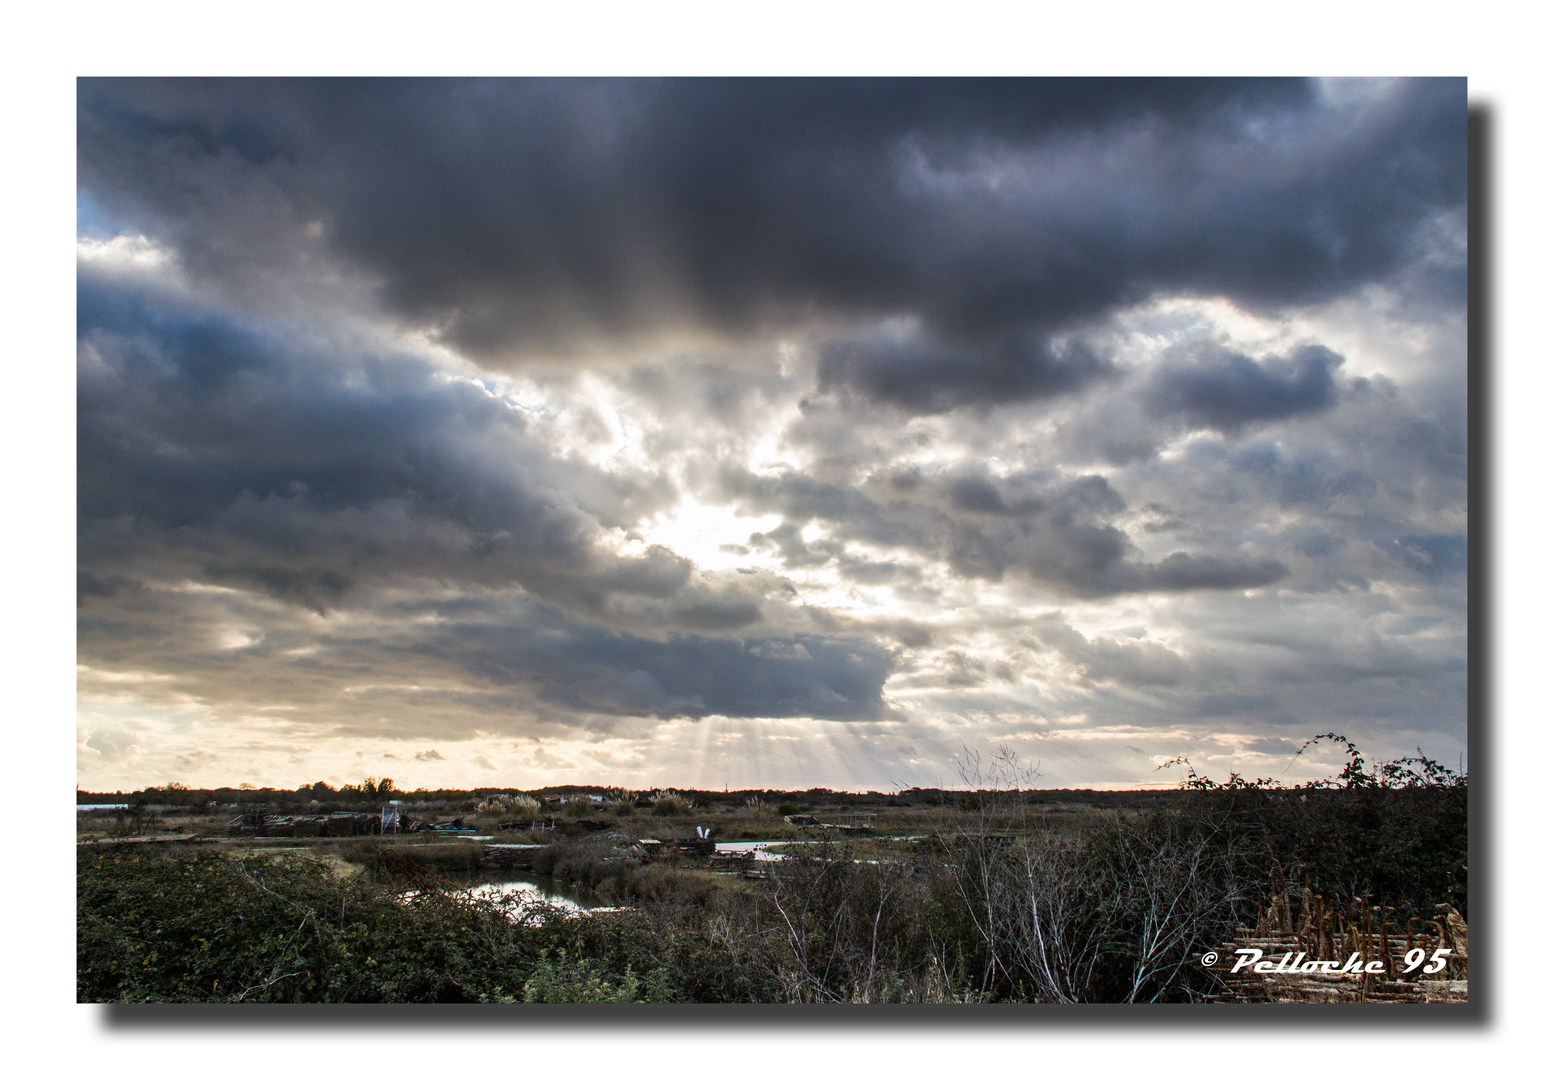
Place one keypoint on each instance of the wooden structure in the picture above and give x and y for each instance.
(257, 822)
(509, 856)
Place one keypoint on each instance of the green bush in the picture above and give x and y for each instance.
(581, 981)
(204, 927)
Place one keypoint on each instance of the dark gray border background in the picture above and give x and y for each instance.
(1477, 1015)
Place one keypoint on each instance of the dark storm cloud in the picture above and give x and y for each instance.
(1054, 532)
(1226, 390)
(256, 461)
(1182, 571)
(218, 452)
(1206, 384)
(879, 356)
(456, 664)
(531, 217)
(930, 376)
(592, 670)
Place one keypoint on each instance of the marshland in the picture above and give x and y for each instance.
(998, 893)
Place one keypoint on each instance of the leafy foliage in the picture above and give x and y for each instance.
(581, 981)
(207, 928)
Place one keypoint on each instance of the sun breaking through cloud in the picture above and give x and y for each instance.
(766, 433)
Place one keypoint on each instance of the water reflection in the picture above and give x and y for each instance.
(758, 848)
(521, 897)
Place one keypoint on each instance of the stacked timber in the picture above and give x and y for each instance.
(249, 824)
(509, 856)
(343, 823)
(255, 822)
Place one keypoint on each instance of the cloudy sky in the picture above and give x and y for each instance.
(767, 433)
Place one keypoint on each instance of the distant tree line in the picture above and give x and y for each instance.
(176, 794)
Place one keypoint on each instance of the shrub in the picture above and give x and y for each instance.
(205, 927)
(670, 803)
(544, 860)
(582, 981)
(525, 808)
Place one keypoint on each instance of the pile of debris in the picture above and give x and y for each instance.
(741, 863)
(650, 850)
(700, 846)
(255, 822)
(860, 823)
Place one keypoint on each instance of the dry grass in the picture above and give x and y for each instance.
(670, 803)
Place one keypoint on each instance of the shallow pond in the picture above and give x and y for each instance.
(759, 847)
(521, 894)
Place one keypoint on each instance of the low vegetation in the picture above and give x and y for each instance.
(1006, 896)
